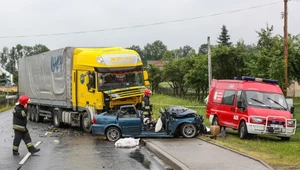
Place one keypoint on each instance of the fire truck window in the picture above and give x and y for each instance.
(228, 97)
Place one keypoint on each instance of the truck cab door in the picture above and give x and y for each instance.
(85, 90)
(130, 123)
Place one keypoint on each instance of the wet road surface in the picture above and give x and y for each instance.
(70, 148)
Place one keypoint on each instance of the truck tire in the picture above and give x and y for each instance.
(243, 132)
(188, 130)
(29, 112)
(57, 118)
(32, 114)
(215, 121)
(38, 118)
(86, 123)
(285, 138)
(113, 134)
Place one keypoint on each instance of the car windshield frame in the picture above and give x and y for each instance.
(266, 100)
(112, 80)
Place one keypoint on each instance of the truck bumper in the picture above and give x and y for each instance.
(273, 131)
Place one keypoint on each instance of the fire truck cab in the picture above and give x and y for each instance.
(251, 106)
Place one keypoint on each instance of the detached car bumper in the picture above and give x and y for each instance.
(280, 131)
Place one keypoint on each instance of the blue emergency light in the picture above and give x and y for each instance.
(259, 80)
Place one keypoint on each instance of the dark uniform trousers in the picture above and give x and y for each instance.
(20, 135)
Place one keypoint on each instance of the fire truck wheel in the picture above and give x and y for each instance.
(215, 121)
(285, 138)
(243, 132)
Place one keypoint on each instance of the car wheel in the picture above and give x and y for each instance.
(243, 132)
(86, 123)
(188, 130)
(285, 138)
(113, 134)
(215, 121)
(57, 118)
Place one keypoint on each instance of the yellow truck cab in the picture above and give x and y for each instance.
(70, 85)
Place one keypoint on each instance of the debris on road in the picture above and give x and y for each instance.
(127, 143)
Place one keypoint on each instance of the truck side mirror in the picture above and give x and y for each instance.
(145, 74)
(91, 81)
(292, 109)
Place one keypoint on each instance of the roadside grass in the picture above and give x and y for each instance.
(4, 108)
(278, 154)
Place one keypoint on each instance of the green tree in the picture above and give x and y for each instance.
(224, 37)
(155, 77)
(223, 62)
(4, 56)
(186, 51)
(154, 51)
(197, 76)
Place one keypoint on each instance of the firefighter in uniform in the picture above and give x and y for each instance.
(19, 126)
(146, 105)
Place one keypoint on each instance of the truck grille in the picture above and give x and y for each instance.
(125, 93)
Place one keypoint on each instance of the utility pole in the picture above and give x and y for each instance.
(209, 62)
(285, 52)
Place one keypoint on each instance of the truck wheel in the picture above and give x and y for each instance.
(215, 121)
(29, 112)
(57, 118)
(32, 114)
(86, 123)
(243, 132)
(188, 130)
(113, 134)
(37, 116)
(285, 138)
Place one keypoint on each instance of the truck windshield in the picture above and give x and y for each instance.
(108, 81)
(268, 100)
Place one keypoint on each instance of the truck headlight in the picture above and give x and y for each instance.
(256, 120)
(290, 123)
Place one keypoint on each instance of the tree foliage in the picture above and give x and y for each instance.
(10, 57)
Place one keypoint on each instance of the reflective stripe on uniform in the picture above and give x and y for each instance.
(29, 145)
(23, 113)
(147, 107)
(15, 148)
(18, 127)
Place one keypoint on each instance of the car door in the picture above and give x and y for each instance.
(130, 122)
(228, 108)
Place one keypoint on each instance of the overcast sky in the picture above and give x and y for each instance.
(31, 17)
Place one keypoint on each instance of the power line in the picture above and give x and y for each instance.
(141, 25)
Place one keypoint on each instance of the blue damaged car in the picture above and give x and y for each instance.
(129, 122)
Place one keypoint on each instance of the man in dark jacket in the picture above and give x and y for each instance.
(146, 105)
(19, 126)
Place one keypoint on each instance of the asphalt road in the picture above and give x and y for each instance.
(70, 148)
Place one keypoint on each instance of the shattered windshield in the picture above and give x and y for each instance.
(268, 100)
(118, 80)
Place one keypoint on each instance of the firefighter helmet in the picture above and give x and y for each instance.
(147, 92)
(23, 100)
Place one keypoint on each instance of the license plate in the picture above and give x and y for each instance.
(275, 126)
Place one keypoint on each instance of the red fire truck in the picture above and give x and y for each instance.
(251, 106)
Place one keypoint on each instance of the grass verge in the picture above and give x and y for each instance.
(273, 151)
